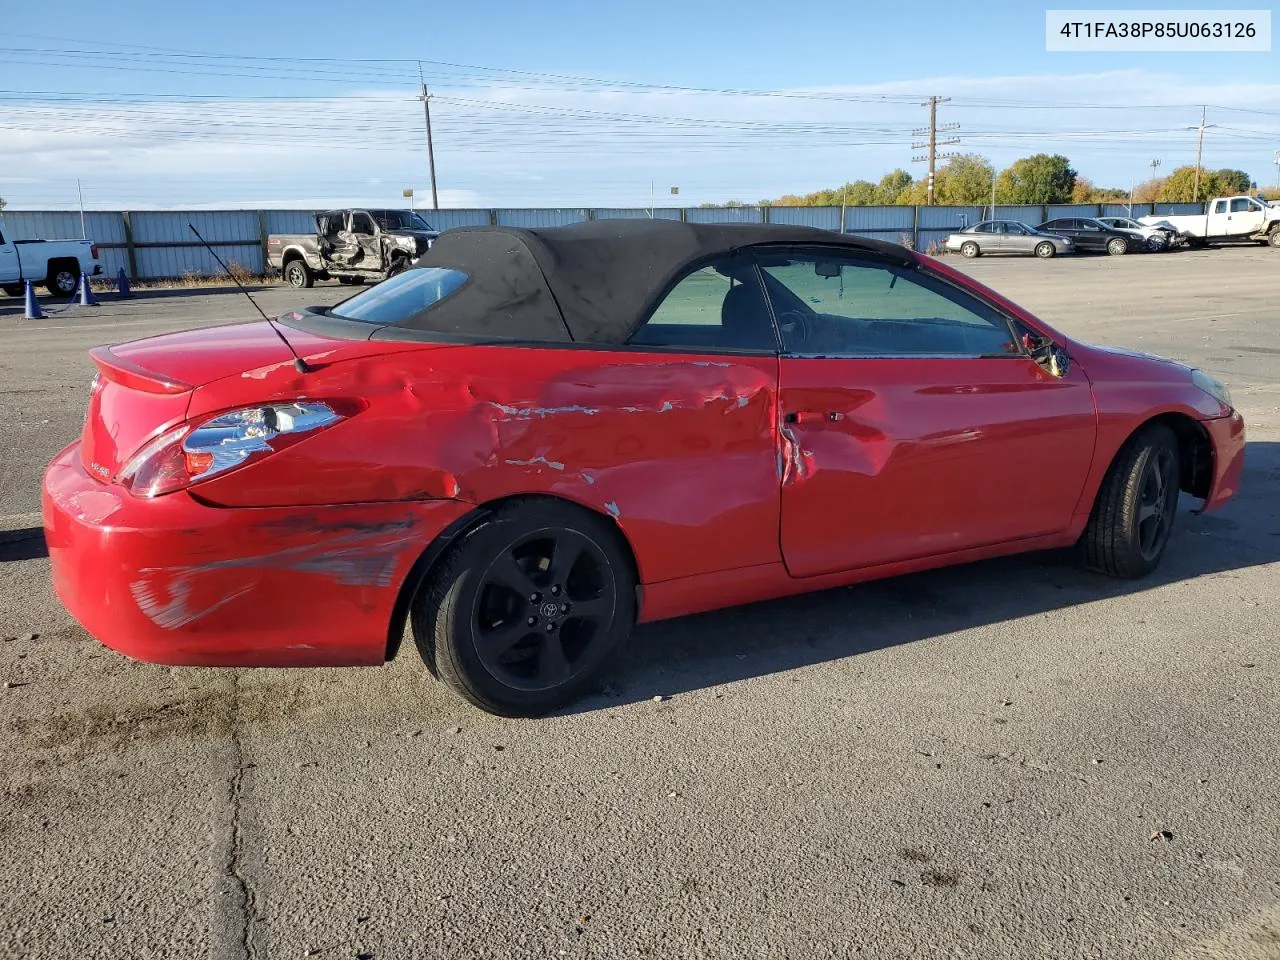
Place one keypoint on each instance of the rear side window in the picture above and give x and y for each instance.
(402, 296)
(1220, 207)
(718, 307)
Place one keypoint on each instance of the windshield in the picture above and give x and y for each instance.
(401, 296)
(401, 220)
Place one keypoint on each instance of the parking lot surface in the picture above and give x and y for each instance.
(1010, 759)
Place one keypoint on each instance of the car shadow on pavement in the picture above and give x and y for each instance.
(672, 657)
(24, 544)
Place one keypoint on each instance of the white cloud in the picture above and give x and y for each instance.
(533, 145)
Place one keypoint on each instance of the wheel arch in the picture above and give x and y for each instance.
(435, 551)
(1195, 451)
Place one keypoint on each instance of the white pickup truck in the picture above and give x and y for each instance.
(55, 263)
(1226, 219)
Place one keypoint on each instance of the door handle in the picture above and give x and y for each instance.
(802, 417)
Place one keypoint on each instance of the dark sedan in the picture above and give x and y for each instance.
(1093, 235)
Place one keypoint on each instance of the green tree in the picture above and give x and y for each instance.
(966, 179)
(1040, 178)
(1231, 181)
(1085, 191)
(1180, 186)
(892, 186)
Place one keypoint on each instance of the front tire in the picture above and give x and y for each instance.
(970, 249)
(527, 609)
(297, 275)
(1117, 247)
(398, 265)
(1045, 250)
(1133, 515)
(1273, 238)
(13, 289)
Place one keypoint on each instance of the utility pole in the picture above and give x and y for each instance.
(1195, 196)
(431, 153)
(933, 142)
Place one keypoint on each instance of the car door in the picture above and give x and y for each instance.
(10, 271)
(1089, 235)
(1059, 228)
(1244, 216)
(365, 235)
(1017, 239)
(1219, 218)
(911, 421)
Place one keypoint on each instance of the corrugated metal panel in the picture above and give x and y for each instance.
(112, 260)
(825, 218)
(931, 241)
(448, 219)
(156, 262)
(1055, 210)
(171, 227)
(725, 215)
(1179, 209)
(638, 213)
(289, 221)
(1122, 210)
(883, 222)
(62, 225)
(948, 218)
(1031, 213)
(541, 218)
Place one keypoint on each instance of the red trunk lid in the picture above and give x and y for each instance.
(145, 387)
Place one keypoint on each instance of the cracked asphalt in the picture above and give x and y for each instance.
(1006, 760)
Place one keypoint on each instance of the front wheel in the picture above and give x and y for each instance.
(13, 289)
(1273, 237)
(297, 275)
(398, 265)
(527, 609)
(1044, 250)
(969, 249)
(1133, 515)
(1117, 247)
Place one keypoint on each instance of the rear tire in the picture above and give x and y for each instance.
(1117, 247)
(524, 612)
(970, 249)
(1045, 250)
(1132, 517)
(63, 278)
(297, 275)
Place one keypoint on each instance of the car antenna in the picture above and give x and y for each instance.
(298, 363)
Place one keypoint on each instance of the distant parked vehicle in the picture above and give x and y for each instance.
(351, 246)
(1006, 236)
(55, 263)
(1089, 234)
(1229, 219)
(1158, 237)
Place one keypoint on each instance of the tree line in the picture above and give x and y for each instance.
(965, 180)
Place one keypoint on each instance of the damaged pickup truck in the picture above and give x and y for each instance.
(351, 246)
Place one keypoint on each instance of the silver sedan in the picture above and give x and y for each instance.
(1007, 236)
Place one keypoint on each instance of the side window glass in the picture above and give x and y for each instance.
(1220, 207)
(1088, 226)
(985, 228)
(1239, 205)
(854, 308)
(361, 224)
(716, 307)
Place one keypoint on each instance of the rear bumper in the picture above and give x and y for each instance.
(1227, 436)
(174, 581)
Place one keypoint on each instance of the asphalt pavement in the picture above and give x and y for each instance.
(1011, 759)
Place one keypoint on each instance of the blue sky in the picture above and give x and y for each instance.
(739, 100)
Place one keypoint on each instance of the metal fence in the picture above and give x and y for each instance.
(150, 245)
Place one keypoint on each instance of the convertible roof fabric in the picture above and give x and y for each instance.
(592, 282)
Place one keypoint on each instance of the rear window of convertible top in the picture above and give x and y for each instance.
(402, 296)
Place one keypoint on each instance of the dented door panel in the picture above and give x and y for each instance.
(892, 459)
(680, 449)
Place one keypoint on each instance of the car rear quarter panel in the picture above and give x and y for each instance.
(680, 450)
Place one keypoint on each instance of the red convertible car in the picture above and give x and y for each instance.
(537, 438)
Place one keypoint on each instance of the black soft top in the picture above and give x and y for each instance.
(592, 282)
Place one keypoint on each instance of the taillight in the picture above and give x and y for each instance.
(93, 250)
(188, 454)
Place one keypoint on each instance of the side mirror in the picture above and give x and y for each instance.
(1047, 353)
